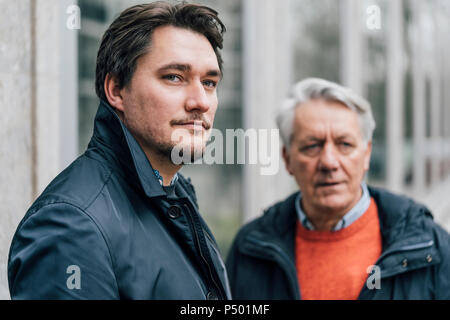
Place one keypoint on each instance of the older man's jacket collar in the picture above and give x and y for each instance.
(400, 219)
(115, 142)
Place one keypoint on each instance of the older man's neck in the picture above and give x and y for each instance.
(324, 219)
(324, 223)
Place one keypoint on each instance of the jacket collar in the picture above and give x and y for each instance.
(278, 226)
(116, 142)
(401, 221)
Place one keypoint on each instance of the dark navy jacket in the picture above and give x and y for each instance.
(106, 229)
(414, 264)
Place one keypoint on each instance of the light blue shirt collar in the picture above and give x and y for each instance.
(350, 217)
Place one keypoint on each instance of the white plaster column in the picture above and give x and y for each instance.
(351, 45)
(16, 190)
(47, 27)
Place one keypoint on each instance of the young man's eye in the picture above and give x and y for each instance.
(172, 77)
(210, 83)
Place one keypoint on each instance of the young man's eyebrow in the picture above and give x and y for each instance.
(175, 66)
(187, 68)
(214, 73)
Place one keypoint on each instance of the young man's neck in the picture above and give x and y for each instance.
(159, 162)
(165, 167)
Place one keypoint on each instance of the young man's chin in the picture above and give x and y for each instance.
(187, 154)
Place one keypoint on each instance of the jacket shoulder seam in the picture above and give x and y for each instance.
(99, 191)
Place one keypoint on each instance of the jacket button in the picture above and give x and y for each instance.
(429, 258)
(211, 296)
(174, 212)
(404, 263)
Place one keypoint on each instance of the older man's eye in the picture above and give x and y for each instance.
(311, 148)
(345, 146)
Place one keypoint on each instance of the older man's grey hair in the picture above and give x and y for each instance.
(315, 88)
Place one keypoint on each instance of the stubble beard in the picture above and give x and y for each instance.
(164, 150)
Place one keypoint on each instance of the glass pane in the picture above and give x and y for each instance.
(315, 39)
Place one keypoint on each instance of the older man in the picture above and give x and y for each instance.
(337, 238)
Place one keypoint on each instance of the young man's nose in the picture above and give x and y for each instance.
(197, 99)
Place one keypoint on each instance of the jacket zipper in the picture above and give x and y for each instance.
(194, 231)
(283, 260)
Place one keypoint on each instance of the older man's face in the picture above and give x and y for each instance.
(327, 156)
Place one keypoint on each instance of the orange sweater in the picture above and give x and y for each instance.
(333, 265)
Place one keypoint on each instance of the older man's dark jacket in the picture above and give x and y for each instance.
(105, 228)
(414, 264)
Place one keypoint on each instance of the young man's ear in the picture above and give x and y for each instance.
(113, 93)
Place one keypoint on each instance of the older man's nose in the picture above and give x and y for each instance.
(328, 158)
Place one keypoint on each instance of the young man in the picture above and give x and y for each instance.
(120, 222)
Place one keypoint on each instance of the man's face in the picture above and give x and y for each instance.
(173, 87)
(327, 156)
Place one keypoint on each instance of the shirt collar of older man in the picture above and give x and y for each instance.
(350, 217)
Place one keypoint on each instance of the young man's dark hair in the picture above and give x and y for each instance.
(121, 222)
(130, 36)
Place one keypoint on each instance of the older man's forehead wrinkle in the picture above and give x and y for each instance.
(311, 138)
(335, 129)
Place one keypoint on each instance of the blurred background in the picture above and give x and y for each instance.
(394, 53)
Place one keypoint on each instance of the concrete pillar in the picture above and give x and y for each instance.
(267, 76)
(47, 91)
(30, 100)
(16, 189)
(351, 45)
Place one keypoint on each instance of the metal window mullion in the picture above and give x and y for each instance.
(418, 75)
(394, 97)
